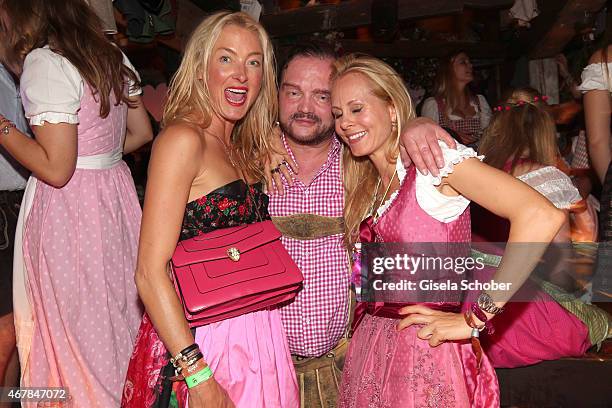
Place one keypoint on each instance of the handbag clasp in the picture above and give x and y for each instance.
(234, 254)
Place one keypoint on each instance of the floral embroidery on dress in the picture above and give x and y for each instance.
(426, 380)
(227, 206)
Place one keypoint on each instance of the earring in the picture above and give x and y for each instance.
(394, 124)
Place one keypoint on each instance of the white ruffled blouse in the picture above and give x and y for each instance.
(549, 181)
(553, 184)
(439, 206)
(51, 87)
(430, 110)
(595, 77)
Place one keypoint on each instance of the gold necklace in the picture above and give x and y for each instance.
(373, 212)
(228, 152)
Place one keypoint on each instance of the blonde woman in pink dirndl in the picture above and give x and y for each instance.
(416, 354)
(76, 304)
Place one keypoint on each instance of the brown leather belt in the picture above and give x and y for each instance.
(308, 226)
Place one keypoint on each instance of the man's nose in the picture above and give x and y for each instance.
(305, 104)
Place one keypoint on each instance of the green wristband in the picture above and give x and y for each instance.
(199, 377)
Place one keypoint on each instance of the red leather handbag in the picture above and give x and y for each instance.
(232, 271)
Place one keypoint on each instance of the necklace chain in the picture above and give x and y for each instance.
(373, 208)
(228, 152)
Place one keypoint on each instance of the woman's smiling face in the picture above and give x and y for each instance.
(363, 121)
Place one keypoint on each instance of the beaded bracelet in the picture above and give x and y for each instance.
(198, 378)
(183, 353)
(189, 363)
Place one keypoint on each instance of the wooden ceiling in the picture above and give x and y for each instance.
(557, 24)
(444, 25)
(356, 13)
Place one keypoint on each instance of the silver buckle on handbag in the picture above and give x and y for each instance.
(234, 254)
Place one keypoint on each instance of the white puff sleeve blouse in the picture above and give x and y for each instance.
(51, 88)
(439, 206)
(596, 77)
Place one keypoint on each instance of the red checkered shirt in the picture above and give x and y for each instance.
(317, 318)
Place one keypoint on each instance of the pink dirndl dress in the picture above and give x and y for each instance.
(385, 368)
(78, 310)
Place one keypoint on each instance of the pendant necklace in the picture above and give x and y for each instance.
(374, 209)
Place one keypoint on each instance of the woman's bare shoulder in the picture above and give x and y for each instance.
(180, 137)
(600, 56)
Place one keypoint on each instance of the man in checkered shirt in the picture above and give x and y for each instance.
(309, 214)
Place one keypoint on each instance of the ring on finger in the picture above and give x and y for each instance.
(275, 170)
(284, 163)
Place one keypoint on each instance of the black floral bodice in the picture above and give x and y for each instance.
(226, 206)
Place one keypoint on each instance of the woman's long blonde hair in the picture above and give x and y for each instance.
(360, 175)
(189, 99)
(522, 129)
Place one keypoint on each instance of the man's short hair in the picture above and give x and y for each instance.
(315, 49)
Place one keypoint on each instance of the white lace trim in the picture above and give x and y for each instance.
(439, 206)
(401, 175)
(594, 78)
(452, 157)
(553, 184)
(53, 117)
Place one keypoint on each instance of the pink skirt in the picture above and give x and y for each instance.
(385, 368)
(248, 354)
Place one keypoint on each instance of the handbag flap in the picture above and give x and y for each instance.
(215, 245)
(265, 269)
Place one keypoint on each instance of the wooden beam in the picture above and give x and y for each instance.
(529, 37)
(426, 49)
(563, 30)
(414, 9)
(318, 18)
(489, 4)
(355, 13)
